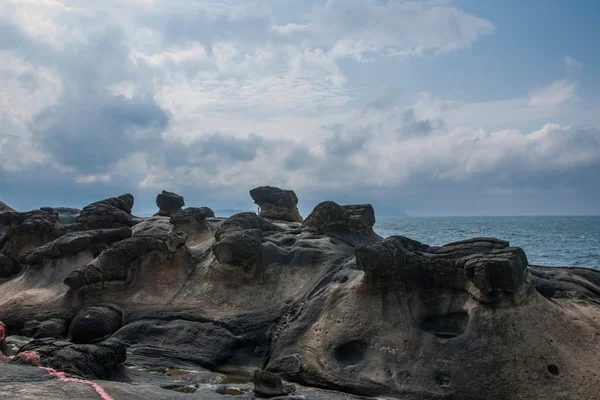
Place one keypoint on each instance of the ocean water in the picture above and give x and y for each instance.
(551, 241)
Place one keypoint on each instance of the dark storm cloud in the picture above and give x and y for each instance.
(299, 157)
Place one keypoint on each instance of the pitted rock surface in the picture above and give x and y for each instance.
(28, 229)
(114, 212)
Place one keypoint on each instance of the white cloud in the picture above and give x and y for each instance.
(554, 94)
(571, 62)
(87, 179)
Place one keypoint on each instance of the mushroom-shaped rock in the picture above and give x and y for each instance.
(93, 361)
(8, 266)
(114, 212)
(94, 324)
(115, 263)
(192, 215)
(487, 268)
(28, 230)
(330, 216)
(267, 384)
(238, 240)
(169, 203)
(74, 242)
(277, 203)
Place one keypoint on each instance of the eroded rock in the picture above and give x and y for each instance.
(169, 204)
(116, 262)
(93, 361)
(330, 216)
(28, 230)
(8, 266)
(276, 203)
(114, 212)
(94, 324)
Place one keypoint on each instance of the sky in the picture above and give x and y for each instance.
(435, 108)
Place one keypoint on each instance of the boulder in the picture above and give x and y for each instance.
(169, 203)
(50, 328)
(92, 361)
(267, 384)
(114, 212)
(330, 216)
(276, 203)
(94, 324)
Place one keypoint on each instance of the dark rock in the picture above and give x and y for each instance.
(268, 384)
(496, 270)
(28, 230)
(169, 203)
(114, 212)
(97, 361)
(330, 216)
(116, 262)
(192, 215)
(8, 266)
(73, 243)
(94, 324)
(276, 203)
(50, 328)
(238, 240)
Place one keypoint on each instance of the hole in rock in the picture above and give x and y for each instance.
(351, 353)
(553, 369)
(446, 326)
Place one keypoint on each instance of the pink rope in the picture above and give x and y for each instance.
(34, 359)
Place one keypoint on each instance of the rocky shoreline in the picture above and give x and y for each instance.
(186, 305)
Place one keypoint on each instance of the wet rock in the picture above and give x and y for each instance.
(93, 361)
(276, 203)
(330, 216)
(73, 243)
(267, 384)
(192, 215)
(8, 266)
(114, 212)
(116, 262)
(94, 324)
(169, 203)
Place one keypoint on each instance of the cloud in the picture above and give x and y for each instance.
(571, 62)
(554, 94)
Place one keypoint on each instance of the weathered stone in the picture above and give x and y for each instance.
(330, 216)
(8, 266)
(169, 203)
(96, 361)
(276, 203)
(267, 384)
(94, 324)
(73, 243)
(114, 212)
(28, 230)
(192, 215)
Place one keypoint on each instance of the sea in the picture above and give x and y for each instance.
(550, 241)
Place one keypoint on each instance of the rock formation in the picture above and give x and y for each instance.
(324, 304)
(276, 203)
(5, 207)
(169, 204)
